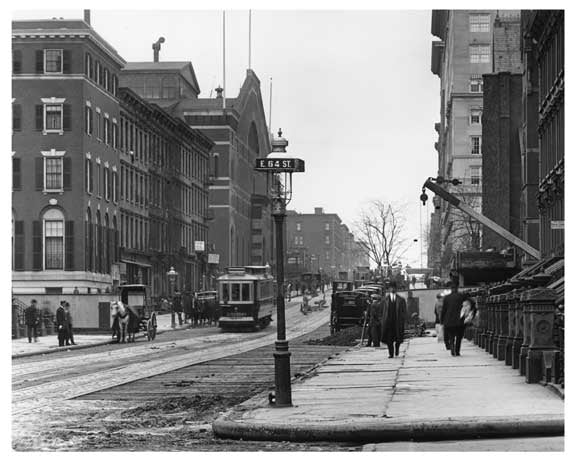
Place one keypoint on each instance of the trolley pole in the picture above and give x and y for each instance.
(281, 354)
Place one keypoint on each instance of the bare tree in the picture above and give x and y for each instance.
(380, 230)
(466, 230)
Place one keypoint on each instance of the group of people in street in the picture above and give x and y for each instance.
(63, 323)
(385, 321)
(454, 312)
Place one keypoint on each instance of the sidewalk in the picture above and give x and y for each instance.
(424, 394)
(49, 343)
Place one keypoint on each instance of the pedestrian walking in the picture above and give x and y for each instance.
(61, 323)
(289, 291)
(393, 318)
(178, 307)
(438, 315)
(453, 323)
(68, 320)
(32, 318)
(374, 320)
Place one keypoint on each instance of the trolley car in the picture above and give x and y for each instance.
(246, 297)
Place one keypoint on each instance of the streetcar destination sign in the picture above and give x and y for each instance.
(280, 164)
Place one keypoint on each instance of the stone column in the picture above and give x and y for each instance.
(481, 330)
(518, 326)
(541, 350)
(511, 302)
(503, 321)
(497, 326)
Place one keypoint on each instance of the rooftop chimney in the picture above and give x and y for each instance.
(156, 47)
(87, 16)
(219, 91)
(318, 210)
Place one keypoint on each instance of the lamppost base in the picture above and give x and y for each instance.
(282, 374)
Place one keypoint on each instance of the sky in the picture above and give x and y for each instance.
(352, 92)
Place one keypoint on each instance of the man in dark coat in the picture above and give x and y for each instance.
(374, 320)
(177, 303)
(69, 333)
(61, 324)
(393, 319)
(31, 316)
(453, 324)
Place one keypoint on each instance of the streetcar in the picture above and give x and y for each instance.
(246, 297)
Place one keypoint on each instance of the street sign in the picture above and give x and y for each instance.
(213, 258)
(557, 225)
(198, 245)
(280, 164)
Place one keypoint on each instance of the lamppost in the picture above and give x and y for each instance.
(279, 167)
(172, 274)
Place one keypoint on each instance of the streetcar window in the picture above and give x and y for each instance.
(224, 294)
(235, 295)
(246, 292)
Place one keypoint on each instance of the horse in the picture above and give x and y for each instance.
(124, 320)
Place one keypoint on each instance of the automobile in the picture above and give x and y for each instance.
(347, 309)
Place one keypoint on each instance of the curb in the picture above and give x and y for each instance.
(79, 346)
(384, 430)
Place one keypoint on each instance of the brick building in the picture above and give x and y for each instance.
(106, 187)
(543, 53)
(241, 229)
(163, 195)
(64, 80)
(324, 241)
(465, 52)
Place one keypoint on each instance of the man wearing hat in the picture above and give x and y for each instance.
(32, 320)
(61, 324)
(393, 319)
(453, 324)
(374, 320)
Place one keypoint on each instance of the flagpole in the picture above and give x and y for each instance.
(224, 59)
(270, 111)
(249, 39)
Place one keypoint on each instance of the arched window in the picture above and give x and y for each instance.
(98, 242)
(169, 88)
(53, 221)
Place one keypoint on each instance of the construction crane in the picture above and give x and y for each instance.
(433, 184)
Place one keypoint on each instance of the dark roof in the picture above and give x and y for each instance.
(166, 65)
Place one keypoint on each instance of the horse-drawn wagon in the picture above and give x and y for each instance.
(133, 313)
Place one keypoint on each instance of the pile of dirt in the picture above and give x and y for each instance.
(346, 337)
(195, 405)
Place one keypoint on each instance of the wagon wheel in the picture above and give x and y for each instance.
(151, 327)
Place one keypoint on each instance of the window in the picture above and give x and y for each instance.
(114, 186)
(106, 130)
(53, 240)
(88, 66)
(88, 117)
(475, 175)
(169, 88)
(107, 183)
(479, 54)
(53, 173)
(475, 116)
(475, 145)
(327, 226)
(53, 114)
(16, 61)
(327, 240)
(114, 135)
(98, 179)
(16, 117)
(479, 22)
(98, 125)
(98, 72)
(476, 85)
(89, 180)
(16, 174)
(106, 80)
(53, 61)
(298, 226)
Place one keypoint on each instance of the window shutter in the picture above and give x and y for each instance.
(36, 245)
(67, 119)
(16, 61)
(67, 173)
(39, 117)
(39, 169)
(111, 248)
(66, 61)
(39, 61)
(16, 174)
(19, 245)
(69, 242)
(16, 117)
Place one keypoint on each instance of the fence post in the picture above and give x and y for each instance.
(541, 349)
(503, 321)
(517, 331)
(482, 319)
(511, 303)
(489, 322)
